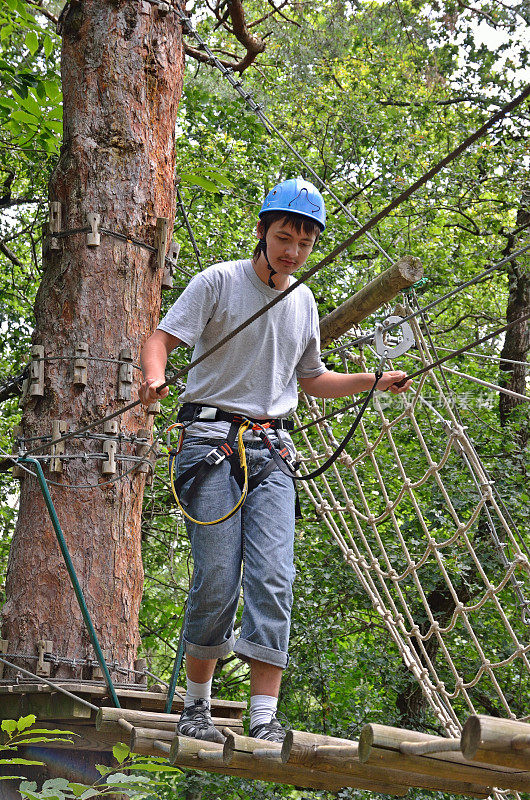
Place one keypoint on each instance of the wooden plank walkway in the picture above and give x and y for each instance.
(491, 753)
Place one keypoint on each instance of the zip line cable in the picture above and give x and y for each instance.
(367, 226)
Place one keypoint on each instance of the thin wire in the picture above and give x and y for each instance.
(86, 358)
(156, 438)
(496, 359)
(189, 229)
(481, 382)
(49, 683)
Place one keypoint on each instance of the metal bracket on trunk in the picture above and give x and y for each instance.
(108, 466)
(162, 235)
(4, 649)
(80, 364)
(93, 239)
(59, 427)
(36, 372)
(54, 225)
(125, 377)
(44, 647)
(170, 265)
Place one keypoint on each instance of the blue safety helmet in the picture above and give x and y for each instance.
(298, 196)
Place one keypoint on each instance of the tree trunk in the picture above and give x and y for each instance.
(517, 340)
(122, 67)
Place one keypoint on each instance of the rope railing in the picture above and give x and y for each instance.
(408, 526)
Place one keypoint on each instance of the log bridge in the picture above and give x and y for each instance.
(490, 753)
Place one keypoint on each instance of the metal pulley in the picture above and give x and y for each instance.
(407, 337)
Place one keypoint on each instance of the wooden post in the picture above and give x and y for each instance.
(381, 289)
(502, 742)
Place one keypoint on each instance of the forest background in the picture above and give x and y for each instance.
(371, 94)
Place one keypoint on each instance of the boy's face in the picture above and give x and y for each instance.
(287, 250)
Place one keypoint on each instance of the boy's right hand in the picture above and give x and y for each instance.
(148, 390)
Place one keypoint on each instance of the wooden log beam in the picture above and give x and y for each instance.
(298, 746)
(107, 719)
(381, 289)
(379, 745)
(235, 744)
(145, 741)
(192, 753)
(492, 740)
(327, 753)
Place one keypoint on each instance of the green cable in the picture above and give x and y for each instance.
(73, 577)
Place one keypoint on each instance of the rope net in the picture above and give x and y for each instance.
(427, 539)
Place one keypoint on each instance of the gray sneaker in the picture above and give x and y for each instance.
(196, 722)
(272, 731)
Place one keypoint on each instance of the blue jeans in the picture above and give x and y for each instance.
(252, 549)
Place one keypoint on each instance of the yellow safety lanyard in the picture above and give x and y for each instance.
(242, 461)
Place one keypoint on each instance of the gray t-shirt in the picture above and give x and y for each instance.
(254, 373)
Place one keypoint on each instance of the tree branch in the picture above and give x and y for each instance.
(252, 44)
(10, 255)
(44, 11)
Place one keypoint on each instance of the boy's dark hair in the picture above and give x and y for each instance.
(297, 221)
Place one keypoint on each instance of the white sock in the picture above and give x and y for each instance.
(262, 709)
(197, 691)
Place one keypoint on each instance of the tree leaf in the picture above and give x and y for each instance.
(48, 46)
(19, 761)
(221, 178)
(199, 180)
(78, 789)
(120, 752)
(90, 792)
(56, 783)
(26, 722)
(9, 725)
(32, 42)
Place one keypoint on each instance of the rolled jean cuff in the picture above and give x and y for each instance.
(245, 650)
(210, 651)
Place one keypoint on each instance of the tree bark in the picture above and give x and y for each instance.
(122, 66)
(517, 340)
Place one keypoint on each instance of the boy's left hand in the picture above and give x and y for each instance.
(389, 379)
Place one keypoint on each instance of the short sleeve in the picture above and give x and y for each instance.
(310, 364)
(189, 315)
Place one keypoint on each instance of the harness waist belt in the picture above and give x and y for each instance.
(198, 413)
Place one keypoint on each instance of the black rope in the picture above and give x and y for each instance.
(188, 228)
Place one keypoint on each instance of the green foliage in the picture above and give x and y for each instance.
(371, 94)
(123, 777)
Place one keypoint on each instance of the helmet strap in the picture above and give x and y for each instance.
(263, 245)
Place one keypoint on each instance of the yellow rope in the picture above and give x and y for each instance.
(243, 463)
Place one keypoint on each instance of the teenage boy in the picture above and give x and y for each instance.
(254, 375)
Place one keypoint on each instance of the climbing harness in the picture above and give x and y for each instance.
(191, 413)
(198, 471)
(280, 458)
